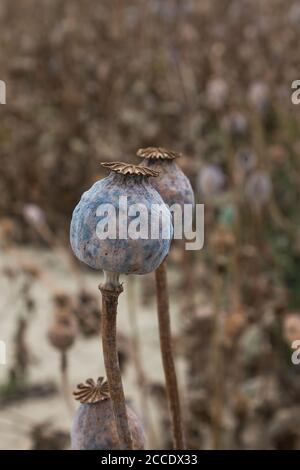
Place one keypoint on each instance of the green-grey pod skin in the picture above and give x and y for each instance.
(172, 184)
(123, 256)
(93, 428)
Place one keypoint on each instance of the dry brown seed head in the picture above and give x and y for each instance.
(61, 299)
(129, 169)
(92, 392)
(156, 153)
(62, 332)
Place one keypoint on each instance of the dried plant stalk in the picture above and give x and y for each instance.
(138, 361)
(110, 293)
(66, 390)
(167, 355)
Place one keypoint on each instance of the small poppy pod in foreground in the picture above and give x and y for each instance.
(122, 254)
(172, 184)
(93, 426)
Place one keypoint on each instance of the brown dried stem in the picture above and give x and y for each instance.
(110, 293)
(65, 381)
(218, 367)
(167, 355)
(138, 361)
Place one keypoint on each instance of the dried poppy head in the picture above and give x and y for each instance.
(291, 327)
(172, 184)
(211, 180)
(127, 187)
(87, 313)
(91, 391)
(259, 96)
(62, 332)
(246, 160)
(93, 426)
(258, 189)
(217, 93)
(236, 125)
(62, 300)
(33, 214)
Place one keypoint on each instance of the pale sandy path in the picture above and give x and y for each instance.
(85, 357)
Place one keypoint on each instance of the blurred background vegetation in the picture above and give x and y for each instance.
(91, 81)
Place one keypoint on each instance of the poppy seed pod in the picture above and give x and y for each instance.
(217, 93)
(93, 426)
(291, 327)
(246, 160)
(172, 184)
(62, 332)
(258, 188)
(122, 254)
(259, 96)
(211, 180)
(236, 125)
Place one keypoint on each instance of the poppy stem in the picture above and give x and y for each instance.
(138, 361)
(65, 381)
(110, 291)
(163, 312)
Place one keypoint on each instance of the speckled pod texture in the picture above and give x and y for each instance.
(93, 428)
(124, 256)
(172, 184)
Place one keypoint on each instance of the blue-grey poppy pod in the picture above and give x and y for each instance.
(93, 426)
(258, 189)
(211, 180)
(172, 184)
(124, 254)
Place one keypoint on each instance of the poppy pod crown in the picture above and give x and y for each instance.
(129, 169)
(157, 153)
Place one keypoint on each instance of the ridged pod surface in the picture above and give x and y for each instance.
(124, 256)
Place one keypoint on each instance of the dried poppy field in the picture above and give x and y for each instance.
(141, 343)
